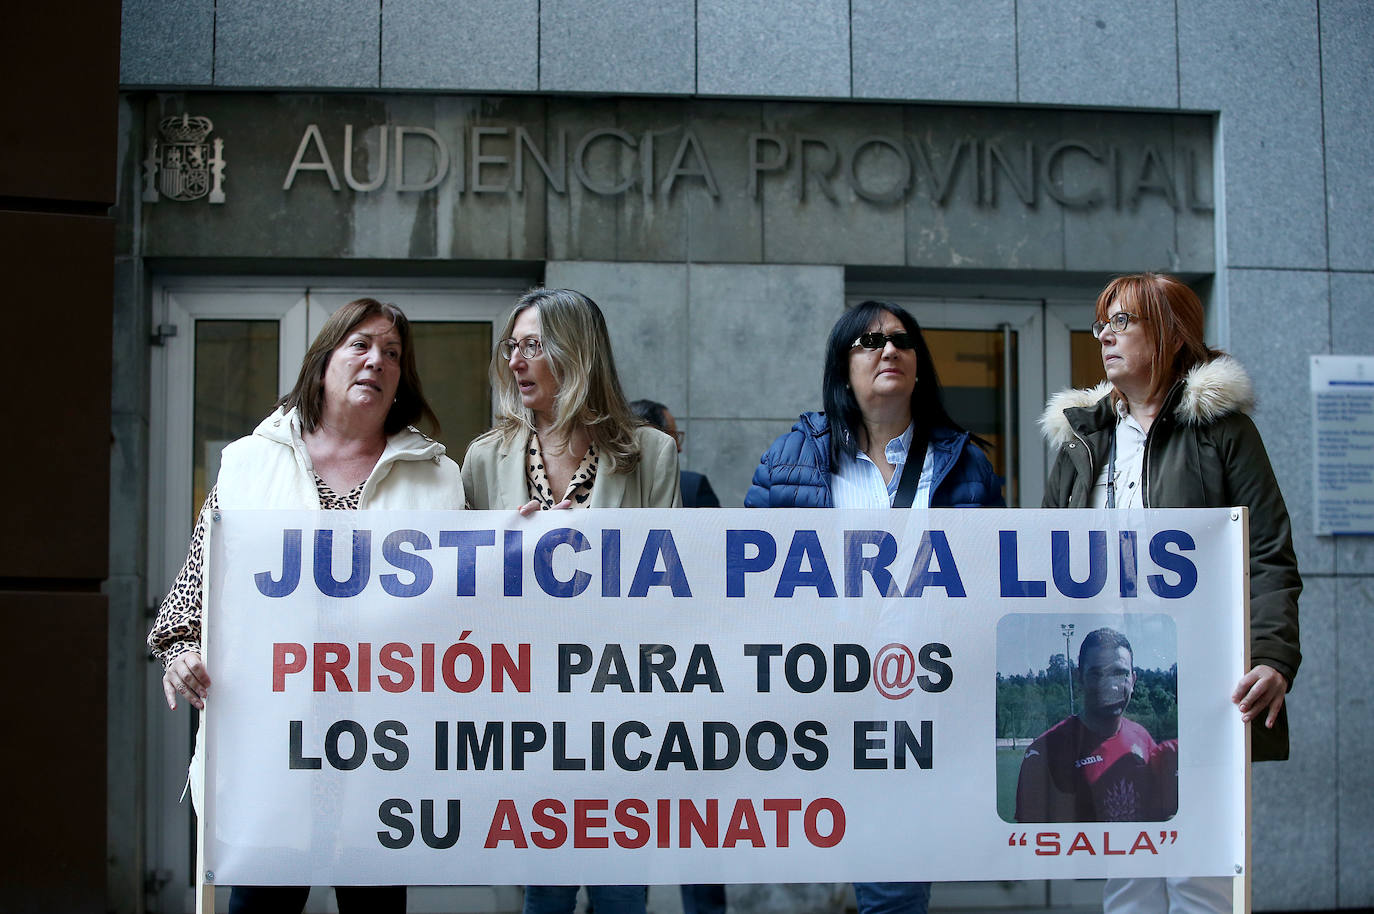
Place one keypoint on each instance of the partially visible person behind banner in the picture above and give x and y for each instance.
(1177, 409)
(884, 440)
(565, 438)
(696, 493)
(1099, 766)
(696, 488)
(340, 440)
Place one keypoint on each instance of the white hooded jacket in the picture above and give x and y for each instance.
(271, 469)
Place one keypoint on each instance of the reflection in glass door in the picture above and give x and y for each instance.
(236, 377)
(1072, 357)
(973, 369)
(1085, 360)
(452, 357)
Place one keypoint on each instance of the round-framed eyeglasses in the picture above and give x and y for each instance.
(529, 348)
(877, 340)
(1118, 322)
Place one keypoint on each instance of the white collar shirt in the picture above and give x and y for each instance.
(1129, 443)
(856, 482)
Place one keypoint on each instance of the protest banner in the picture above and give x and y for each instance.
(654, 696)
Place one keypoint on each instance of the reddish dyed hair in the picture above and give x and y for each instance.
(1172, 322)
(307, 397)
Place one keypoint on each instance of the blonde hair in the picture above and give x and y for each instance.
(576, 343)
(1172, 323)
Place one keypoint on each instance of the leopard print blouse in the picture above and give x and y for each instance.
(177, 628)
(537, 480)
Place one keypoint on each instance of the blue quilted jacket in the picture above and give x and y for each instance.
(795, 471)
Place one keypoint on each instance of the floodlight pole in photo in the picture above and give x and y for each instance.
(1067, 629)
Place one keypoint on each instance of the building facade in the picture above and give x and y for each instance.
(723, 178)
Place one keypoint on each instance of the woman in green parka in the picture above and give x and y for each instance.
(1169, 429)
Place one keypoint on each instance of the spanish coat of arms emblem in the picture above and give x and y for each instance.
(182, 164)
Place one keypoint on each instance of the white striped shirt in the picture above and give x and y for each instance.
(856, 482)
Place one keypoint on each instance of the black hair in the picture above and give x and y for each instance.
(846, 419)
(1103, 637)
(652, 412)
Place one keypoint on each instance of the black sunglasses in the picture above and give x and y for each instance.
(876, 340)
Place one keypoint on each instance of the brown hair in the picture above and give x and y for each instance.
(1172, 321)
(577, 344)
(307, 396)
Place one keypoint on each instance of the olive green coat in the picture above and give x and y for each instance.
(1202, 451)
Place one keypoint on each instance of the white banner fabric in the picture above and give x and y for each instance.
(610, 697)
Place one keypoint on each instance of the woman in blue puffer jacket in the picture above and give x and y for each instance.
(882, 406)
(882, 397)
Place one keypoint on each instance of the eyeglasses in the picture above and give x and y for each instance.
(679, 434)
(529, 347)
(876, 340)
(1118, 322)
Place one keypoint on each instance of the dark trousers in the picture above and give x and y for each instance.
(703, 899)
(290, 899)
(892, 897)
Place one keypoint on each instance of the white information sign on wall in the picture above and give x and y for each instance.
(728, 696)
(1343, 444)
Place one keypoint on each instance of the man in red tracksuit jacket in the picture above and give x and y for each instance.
(1099, 766)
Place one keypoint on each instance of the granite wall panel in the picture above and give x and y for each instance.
(1279, 319)
(467, 46)
(1262, 73)
(927, 49)
(1070, 53)
(617, 46)
(1347, 55)
(167, 43)
(773, 49)
(299, 44)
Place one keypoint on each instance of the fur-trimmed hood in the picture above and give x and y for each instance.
(1208, 392)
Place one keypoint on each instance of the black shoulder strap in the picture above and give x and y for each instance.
(911, 471)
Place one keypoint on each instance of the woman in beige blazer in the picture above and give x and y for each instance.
(565, 436)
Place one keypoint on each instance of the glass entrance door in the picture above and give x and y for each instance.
(228, 349)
